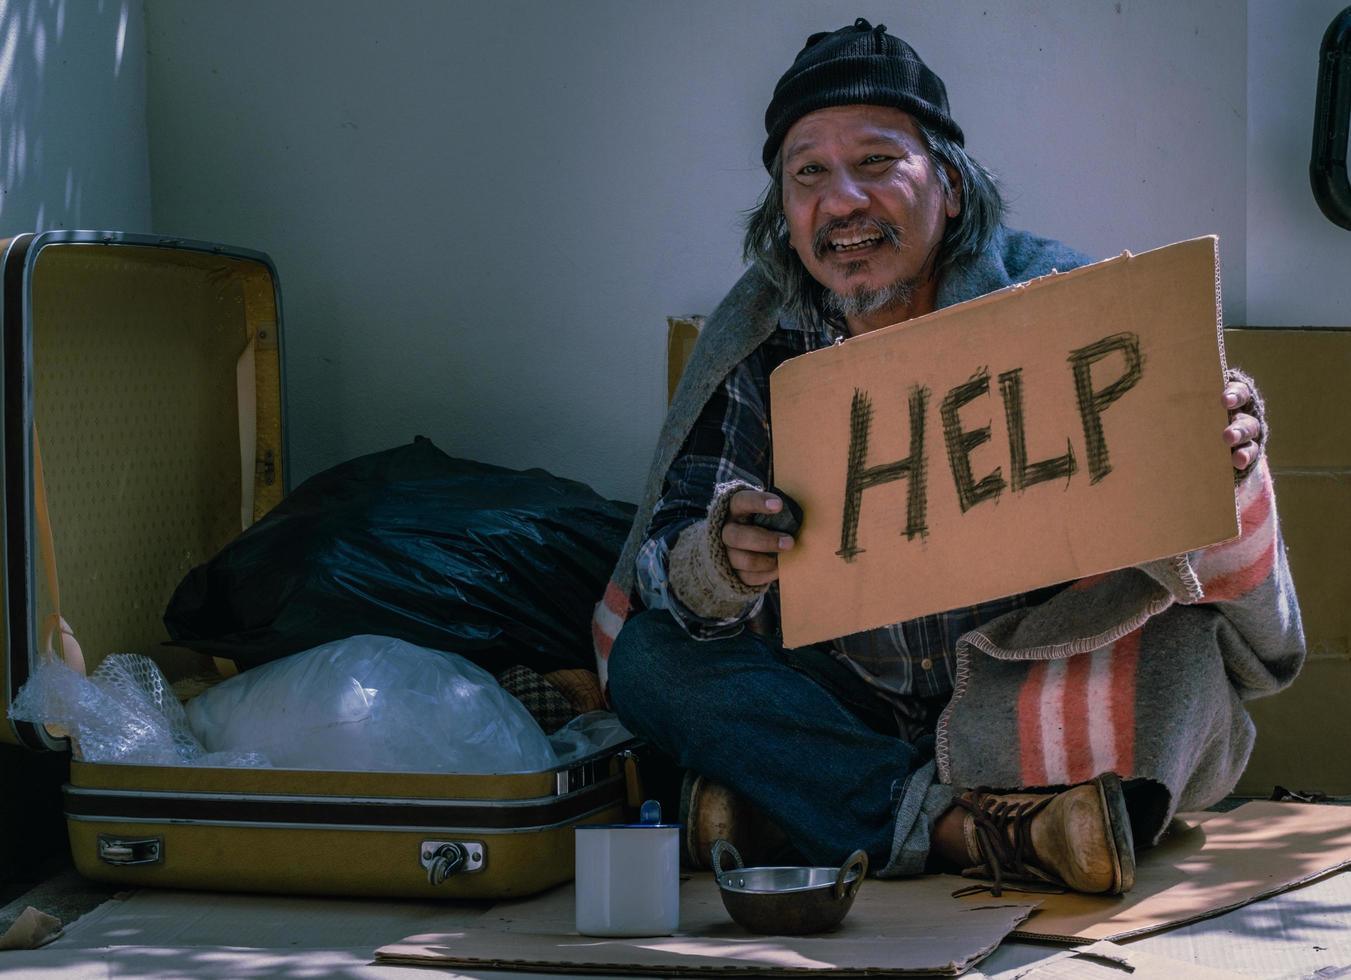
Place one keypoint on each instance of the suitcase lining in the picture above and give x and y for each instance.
(134, 393)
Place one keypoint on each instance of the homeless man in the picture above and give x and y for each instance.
(1098, 708)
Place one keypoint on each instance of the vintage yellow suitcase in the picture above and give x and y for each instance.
(144, 426)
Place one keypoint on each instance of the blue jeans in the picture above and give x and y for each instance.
(776, 727)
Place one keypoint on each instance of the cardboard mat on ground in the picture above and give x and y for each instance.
(894, 927)
(1210, 863)
(1015, 441)
(1215, 862)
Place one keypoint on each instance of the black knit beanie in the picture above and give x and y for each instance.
(856, 65)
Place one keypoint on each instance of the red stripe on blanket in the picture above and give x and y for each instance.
(1255, 511)
(1240, 583)
(1029, 726)
(1078, 748)
(617, 601)
(1230, 570)
(1125, 662)
(608, 619)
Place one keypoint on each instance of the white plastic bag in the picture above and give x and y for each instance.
(372, 703)
(587, 734)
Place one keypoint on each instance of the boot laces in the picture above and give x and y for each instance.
(1003, 832)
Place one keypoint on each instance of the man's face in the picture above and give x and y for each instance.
(865, 206)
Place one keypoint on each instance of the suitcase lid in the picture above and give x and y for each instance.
(142, 383)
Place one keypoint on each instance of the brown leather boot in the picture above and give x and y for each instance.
(710, 811)
(1079, 838)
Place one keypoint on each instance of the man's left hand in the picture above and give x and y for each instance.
(1240, 435)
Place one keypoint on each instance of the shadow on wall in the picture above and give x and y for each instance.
(72, 114)
(73, 152)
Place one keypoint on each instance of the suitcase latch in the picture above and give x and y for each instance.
(125, 850)
(443, 858)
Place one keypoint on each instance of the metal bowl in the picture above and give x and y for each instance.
(791, 901)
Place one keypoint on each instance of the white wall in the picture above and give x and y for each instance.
(1299, 262)
(73, 146)
(482, 212)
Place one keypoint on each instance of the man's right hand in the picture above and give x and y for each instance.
(754, 551)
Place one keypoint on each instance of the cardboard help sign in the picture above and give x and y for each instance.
(1056, 429)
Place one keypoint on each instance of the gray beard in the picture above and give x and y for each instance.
(865, 302)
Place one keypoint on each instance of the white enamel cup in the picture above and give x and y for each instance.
(628, 877)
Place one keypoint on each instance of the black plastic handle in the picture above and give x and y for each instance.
(1332, 122)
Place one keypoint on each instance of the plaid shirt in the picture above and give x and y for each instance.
(911, 664)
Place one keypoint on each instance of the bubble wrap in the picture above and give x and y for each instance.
(124, 712)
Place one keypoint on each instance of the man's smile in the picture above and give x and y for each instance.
(854, 243)
(851, 237)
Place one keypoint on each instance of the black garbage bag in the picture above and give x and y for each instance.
(500, 566)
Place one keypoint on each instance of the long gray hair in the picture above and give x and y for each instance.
(766, 241)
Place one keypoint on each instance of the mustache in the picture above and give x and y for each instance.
(889, 233)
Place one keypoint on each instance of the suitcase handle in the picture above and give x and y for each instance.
(121, 851)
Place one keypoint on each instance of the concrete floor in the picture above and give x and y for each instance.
(1305, 932)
